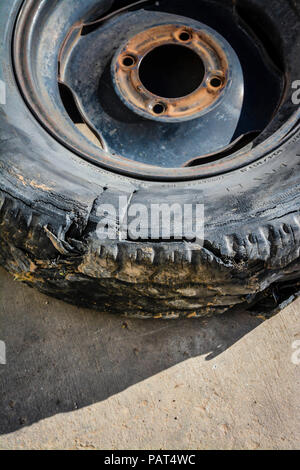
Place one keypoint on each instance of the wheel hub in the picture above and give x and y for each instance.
(146, 73)
(126, 89)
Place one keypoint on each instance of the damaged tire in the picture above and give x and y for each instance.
(83, 128)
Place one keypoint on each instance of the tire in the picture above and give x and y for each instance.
(49, 200)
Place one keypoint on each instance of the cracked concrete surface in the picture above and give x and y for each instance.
(77, 379)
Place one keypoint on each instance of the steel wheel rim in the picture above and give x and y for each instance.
(117, 163)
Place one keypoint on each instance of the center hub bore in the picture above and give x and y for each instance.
(171, 73)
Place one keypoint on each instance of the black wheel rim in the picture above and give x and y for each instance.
(70, 87)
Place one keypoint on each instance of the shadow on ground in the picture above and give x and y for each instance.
(61, 358)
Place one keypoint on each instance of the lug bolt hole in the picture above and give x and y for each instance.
(216, 82)
(185, 36)
(128, 61)
(159, 108)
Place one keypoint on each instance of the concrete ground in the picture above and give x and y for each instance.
(77, 379)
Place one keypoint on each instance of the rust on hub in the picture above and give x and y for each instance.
(131, 88)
